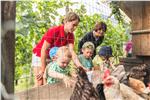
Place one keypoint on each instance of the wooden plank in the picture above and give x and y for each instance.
(56, 91)
(131, 60)
(136, 39)
(146, 15)
(46, 92)
(145, 44)
(137, 16)
(146, 31)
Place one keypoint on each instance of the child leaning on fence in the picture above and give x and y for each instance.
(59, 69)
(85, 58)
(52, 54)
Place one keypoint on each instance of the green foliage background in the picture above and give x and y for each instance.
(33, 19)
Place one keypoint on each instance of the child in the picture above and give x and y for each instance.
(85, 58)
(104, 59)
(59, 69)
(52, 54)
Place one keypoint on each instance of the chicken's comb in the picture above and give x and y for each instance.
(106, 73)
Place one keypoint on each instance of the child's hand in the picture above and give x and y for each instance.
(74, 74)
(68, 81)
(85, 69)
(96, 67)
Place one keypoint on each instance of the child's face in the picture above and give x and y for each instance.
(63, 62)
(87, 53)
(103, 58)
(71, 26)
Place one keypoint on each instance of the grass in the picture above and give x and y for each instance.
(24, 84)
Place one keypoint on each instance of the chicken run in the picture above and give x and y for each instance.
(117, 85)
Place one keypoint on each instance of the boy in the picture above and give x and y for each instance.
(85, 58)
(52, 54)
(59, 69)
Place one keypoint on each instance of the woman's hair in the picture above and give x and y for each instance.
(100, 25)
(71, 16)
(63, 52)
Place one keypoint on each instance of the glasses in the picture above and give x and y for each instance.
(100, 29)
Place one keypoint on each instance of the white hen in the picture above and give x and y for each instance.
(112, 89)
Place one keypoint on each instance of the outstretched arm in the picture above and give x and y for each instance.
(45, 47)
(67, 80)
(55, 74)
(74, 57)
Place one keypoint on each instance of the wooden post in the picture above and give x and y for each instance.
(8, 12)
(136, 16)
(146, 15)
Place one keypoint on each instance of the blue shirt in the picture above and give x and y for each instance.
(87, 63)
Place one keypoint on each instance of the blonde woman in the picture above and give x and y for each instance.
(56, 36)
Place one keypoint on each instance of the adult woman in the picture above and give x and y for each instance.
(56, 36)
(96, 36)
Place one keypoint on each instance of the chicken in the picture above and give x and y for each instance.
(137, 85)
(83, 89)
(128, 93)
(100, 89)
(112, 88)
(138, 72)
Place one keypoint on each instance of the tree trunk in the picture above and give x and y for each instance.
(8, 12)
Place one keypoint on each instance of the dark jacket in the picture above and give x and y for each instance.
(89, 37)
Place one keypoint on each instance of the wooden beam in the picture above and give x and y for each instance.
(8, 10)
